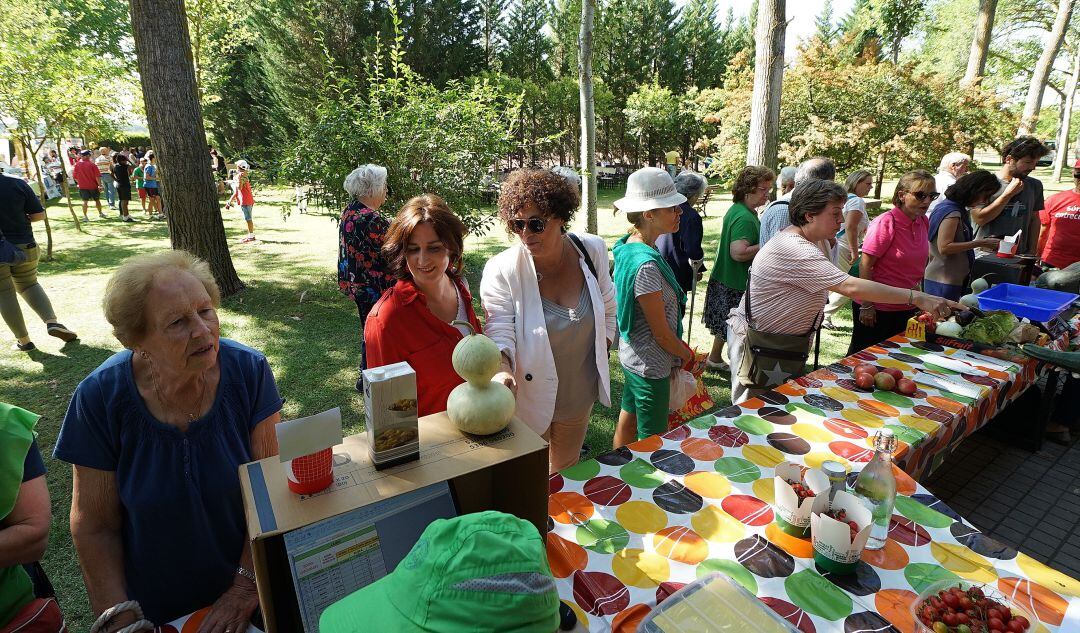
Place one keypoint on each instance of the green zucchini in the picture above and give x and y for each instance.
(1065, 360)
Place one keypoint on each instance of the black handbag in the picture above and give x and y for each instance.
(769, 359)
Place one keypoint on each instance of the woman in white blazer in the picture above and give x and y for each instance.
(550, 308)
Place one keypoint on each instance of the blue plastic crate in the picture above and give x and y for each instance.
(1028, 302)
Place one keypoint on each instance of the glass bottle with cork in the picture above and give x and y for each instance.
(875, 487)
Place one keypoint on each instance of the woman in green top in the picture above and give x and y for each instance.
(649, 305)
(137, 174)
(738, 245)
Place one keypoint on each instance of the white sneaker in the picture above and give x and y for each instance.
(721, 366)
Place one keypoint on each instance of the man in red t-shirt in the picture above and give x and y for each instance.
(1059, 241)
(88, 180)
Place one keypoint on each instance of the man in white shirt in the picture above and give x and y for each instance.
(104, 165)
(775, 218)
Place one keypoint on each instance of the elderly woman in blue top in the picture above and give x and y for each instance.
(156, 435)
(649, 305)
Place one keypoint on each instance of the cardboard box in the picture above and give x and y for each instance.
(506, 471)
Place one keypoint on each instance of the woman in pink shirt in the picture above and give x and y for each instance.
(894, 253)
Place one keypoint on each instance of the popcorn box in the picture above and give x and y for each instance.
(793, 513)
(390, 404)
(835, 550)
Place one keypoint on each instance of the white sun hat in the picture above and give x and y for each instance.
(649, 188)
(242, 164)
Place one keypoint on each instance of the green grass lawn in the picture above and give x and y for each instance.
(291, 310)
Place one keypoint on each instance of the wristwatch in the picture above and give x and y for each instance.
(246, 573)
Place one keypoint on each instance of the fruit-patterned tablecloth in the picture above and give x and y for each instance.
(630, 527)
(824, 415)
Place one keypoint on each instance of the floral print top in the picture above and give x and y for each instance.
(362, 274)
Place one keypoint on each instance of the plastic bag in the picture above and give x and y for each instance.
(683, 387)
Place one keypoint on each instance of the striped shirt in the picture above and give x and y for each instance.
(643, 355)
(789, 284)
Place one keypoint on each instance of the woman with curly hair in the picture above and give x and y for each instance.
(738, 245)
(550, 307)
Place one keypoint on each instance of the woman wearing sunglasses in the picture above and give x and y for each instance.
(650, 305)
(894, 253)
(550, 308)
(952, 236)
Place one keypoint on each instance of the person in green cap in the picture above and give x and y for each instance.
(649, 305)
(482, 572)
(25, 515)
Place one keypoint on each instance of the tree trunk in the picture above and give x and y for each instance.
(588, 116)
(174, 117)
(67, 183)
(768, 80)
(1043, 68)
(1066, 117)
(31, 158)
(880, 174)
(980, 43)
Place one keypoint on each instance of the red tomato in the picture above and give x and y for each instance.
(885, 382)
(965, 602)
(951, 600)
(950, 619)
(1014, 626)
(992, 612)
(995, 624)
(1022, 620)
(864, 380)
(907, 387)
(963, 618)
(895, 373)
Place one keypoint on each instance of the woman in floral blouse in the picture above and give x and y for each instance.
(362, 274)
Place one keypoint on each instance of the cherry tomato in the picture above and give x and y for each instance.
(977, 592)
(951, 600)
(962, 618)
(1023, 621)
(992, 612)
(950, 619)
(995, 624)
(965, 602)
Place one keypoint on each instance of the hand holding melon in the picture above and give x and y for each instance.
(478, 405)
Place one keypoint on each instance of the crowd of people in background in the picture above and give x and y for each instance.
(553, 303)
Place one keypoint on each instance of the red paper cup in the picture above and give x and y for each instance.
(311, 473)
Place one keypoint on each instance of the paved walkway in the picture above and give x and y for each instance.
(1029, 500)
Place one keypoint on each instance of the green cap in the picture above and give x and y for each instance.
(478, 572)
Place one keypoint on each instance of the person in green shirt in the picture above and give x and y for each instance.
(137, 174)
(25, 515)
(737, 247)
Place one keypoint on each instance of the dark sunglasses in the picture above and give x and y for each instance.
(535, 225)
(923, 196)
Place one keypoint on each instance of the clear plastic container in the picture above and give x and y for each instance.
(988, 591)
(714, 604)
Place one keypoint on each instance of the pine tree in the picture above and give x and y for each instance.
(491, 16)
(527, 46)
(443, 38)
(701, 41)
(824, 23)
(566, 29)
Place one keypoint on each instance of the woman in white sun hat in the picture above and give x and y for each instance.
(650, 304)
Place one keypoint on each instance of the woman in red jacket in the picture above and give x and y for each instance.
(412, 321)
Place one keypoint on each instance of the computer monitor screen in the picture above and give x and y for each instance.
(334, 557)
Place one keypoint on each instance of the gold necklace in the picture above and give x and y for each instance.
(161, 396)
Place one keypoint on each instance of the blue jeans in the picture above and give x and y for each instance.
(110, 189)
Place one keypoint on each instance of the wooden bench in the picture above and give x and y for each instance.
(704, 201)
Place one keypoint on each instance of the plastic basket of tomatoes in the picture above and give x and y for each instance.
(957, 606)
